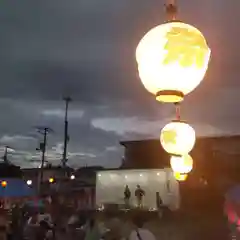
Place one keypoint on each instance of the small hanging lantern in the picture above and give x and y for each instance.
(182, 164)
(177, 138)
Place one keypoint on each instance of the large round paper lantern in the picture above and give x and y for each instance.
(177, 138)
(172, 60)
(182, 164)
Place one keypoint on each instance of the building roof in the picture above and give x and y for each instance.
(55, 168)
(90, 168)
(201, 138)
(9, 170)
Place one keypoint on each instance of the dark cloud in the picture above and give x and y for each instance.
(87, 49)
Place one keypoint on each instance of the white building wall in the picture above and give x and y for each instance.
(110, 187)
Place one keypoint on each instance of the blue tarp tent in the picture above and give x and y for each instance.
(16, 188)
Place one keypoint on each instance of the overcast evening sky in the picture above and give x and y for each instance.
(86, 48)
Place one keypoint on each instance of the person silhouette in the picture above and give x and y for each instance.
(127, 196)
(139, 193)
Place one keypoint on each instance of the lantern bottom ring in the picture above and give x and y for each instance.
(169, 96)
(176, 155)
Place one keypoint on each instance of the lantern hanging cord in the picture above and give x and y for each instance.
(171, 10)
(178, 112)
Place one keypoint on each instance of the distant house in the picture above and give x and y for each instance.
(79, 191)
(8, 170)
(48, 172)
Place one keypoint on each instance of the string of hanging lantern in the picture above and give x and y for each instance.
(172, 61)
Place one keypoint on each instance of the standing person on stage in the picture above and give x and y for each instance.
(159, 205)
(127, 196)
(139, 194)
(159, 201)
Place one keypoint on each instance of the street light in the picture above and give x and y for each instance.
(4, 184)
(177, 138)
(51, 180)
(29, 182)
(72, 177)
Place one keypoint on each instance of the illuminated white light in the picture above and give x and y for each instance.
(99, 175)
(29, 182)
(141, 175)
(126, 177)
(72, 177)
(158, 174)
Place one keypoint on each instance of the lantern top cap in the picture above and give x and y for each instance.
(171, 10)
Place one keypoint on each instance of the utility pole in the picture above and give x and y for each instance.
(5, 156)
(43, 131)
(66, 136)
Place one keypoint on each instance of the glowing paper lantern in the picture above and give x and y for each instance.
(180, 176)
(172, 60)
(181, 164)
(177, 138)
